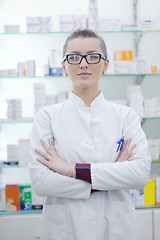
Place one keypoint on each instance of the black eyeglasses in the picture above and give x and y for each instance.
(75, 59)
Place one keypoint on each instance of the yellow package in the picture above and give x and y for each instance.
(150, 193)
(126, 55)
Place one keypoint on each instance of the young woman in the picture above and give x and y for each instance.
(87, 153)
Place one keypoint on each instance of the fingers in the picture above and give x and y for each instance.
(43, 154)
(126, 153)
(49, 148)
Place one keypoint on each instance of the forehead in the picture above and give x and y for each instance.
(83, 45)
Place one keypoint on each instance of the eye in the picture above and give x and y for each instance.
(74, 57)
(93, 56)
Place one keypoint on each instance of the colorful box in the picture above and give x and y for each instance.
(124, 55)
(12, 198)
(25, 197)
(150, 193)
(2, 199)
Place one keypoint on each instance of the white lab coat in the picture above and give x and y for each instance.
(89, 135)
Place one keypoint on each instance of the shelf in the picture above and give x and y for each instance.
(21, 212)
(40, 211)
(106, 75)
(12, 166)
(150, 118)
(156, 161)
(68, 32)
(24, 120)
(148, 207)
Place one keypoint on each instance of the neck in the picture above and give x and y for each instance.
(87, 95)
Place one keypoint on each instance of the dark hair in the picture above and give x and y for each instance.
(85, 33)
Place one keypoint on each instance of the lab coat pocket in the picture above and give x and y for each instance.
(54, 223)
(123, 221)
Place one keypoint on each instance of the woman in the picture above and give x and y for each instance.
(79, 162)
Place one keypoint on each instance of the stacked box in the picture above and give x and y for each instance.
(21, 69)
(30, 68)
(23, 151)
(39, 96)
(69, 23)
(25, 197)
(39, 24)
(135, 99)
(93, 14)
(14, 109)
(12, 197)
(51, 99)
(109, 25)
(154, 148)
(11, 28)
(12, 154)
(143, 66)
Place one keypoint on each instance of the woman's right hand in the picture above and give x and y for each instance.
(126, 153)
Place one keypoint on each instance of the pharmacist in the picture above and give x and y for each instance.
(87, 153)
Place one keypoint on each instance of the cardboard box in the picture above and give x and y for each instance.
(123, 55)
(12, 198)
(25, 197)
(150, 193)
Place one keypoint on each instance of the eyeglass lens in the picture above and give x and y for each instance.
(76, 58)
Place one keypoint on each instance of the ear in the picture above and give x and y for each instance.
(64, 69)
(105, 66)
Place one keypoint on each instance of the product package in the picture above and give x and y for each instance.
(37, 201)
(69, 23)
(109, 25)
(14, 109)
(39, 24)
(149, 193)
(25, 197)
(123, 55)
(23, 151)
(157, 190)
(2, 199)
(55, 67)
(93, 14)
(11, 28)
(12, 197)
(12, 154)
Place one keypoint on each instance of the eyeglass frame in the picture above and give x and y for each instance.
(84, 56)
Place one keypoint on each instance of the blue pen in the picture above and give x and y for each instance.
(120, 144)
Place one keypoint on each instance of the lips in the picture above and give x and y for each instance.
(84, 74)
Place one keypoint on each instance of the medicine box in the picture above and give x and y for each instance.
(25, 197)
(12, 197)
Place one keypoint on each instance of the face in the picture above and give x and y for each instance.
(84, 75)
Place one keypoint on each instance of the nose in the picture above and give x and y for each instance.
(83, 63)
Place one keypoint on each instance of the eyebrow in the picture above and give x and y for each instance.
(87, 52)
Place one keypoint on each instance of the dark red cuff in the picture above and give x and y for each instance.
(83, 172)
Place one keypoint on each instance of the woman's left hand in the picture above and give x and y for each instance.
(53, 161)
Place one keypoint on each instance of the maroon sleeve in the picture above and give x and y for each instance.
(83, 172)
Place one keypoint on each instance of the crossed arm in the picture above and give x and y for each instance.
(59, 165)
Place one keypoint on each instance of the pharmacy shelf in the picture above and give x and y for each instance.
(106, 75)
(68, 32)
(40, 211)
(18, 166)
(21, 212)
(148, 207)
(156, 161)
(23, 120)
